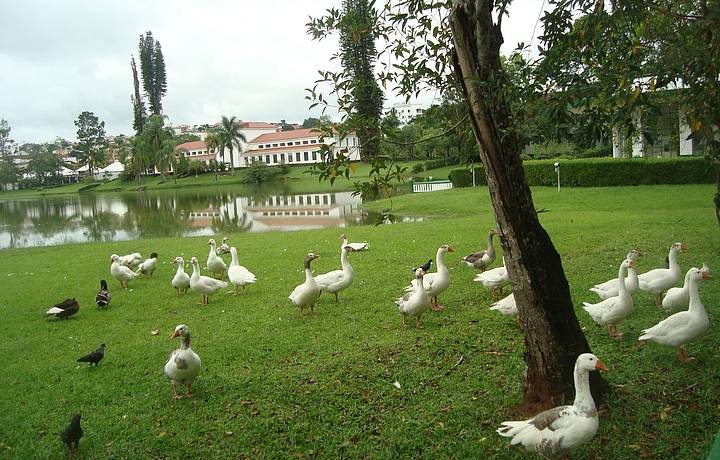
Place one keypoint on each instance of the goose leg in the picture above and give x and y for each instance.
(188, 393)
(418, 323)
(404, 321)
(336, 298)
(175, 393)
(681, 355)
(177, 291)
(658, 300)
(434, 306)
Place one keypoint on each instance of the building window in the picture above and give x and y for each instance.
(282, 144)
(313, 141)
(275, 158)
(305, 142)
(260, 146)
(289, 159)
(314, 156)
(274, 145)
(305, 155)
(297, 156)
(267, 159)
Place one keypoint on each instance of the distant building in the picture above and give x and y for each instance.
(406, 112)
(300, 146)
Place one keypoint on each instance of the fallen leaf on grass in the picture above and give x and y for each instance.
(397, 384)
(155, 332)
(228, 433)
(247, 402)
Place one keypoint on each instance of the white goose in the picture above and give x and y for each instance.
(337, 280)
(204, 284)
(120, 272)
(611, 288)
(660, 280)
(239, 276)
(506, 306)
(613, 310)
(364, 246)
(148, 266)
(677, 299)
(436, 283)
(682, 328)
(482, 259)
(224, 248)
(181, 280)
(416, 301)
(306, 294)
(131, 260)
(557, 431)
(215, 264)
(184, 364)
(495, 279)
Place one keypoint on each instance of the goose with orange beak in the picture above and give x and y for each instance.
(560, 430)
(682, 328)
(183, 365)
(660, 280)
(612, 310)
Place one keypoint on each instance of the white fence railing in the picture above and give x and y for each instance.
(432, 186)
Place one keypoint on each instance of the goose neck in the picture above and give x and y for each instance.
(672, 258)
(621, 279)
(583, 398)
(344, 261)
(185, 341)
(440, 260)
(694, 294)
(233, 255)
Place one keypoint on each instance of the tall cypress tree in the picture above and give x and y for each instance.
(358, 31)
(152, 68)
(139, 113)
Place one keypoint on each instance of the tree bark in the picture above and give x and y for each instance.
(553, 338)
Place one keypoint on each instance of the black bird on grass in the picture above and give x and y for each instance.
(425, 267)
(95, 357)
(72, 433)
(64, 309)
(102, 299)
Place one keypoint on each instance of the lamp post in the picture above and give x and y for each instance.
(557, 170)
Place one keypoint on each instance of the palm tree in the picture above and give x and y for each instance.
(214, 141)
(229, 133)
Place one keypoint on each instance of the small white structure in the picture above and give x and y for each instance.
(111, 171)
(431, 186)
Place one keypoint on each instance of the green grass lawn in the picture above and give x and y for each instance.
(276, 385)
(297, 178)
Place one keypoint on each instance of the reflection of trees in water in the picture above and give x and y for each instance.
(238, 222)
(12, 218)
(51, 216)
(165, 213)
(153, 216)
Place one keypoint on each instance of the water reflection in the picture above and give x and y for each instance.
(127, 216)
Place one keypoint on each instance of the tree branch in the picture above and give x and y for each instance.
(444, 133)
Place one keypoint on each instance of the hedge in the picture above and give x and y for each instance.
(604, 172)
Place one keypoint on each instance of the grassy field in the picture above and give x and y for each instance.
(275, 385)
(297, 178)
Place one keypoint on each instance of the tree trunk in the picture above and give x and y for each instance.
(553, 338)
(717, 194)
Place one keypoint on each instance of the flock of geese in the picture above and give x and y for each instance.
(551, 433)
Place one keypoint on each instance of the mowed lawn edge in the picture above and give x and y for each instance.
(274, 384)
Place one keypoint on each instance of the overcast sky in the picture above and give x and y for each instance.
(252, 59)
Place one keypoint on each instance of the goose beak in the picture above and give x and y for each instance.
(631, 264)
(450, 249)
(599, 365)
(174, 334)
(683, 247)
(706, 276)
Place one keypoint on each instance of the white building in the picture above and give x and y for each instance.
(300, 146)
(406, 112)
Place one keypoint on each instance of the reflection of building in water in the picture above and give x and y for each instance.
(284, 212)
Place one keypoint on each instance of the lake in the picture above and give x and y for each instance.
(83, 218)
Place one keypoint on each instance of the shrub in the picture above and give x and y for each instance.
(259, 172)
(604, 172)
(417, 168)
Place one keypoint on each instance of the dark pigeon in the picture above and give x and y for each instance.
(425, 267)
(72, 433)
(95, 357)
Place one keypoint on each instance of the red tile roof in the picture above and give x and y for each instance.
(192, 145)
(285, 135)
